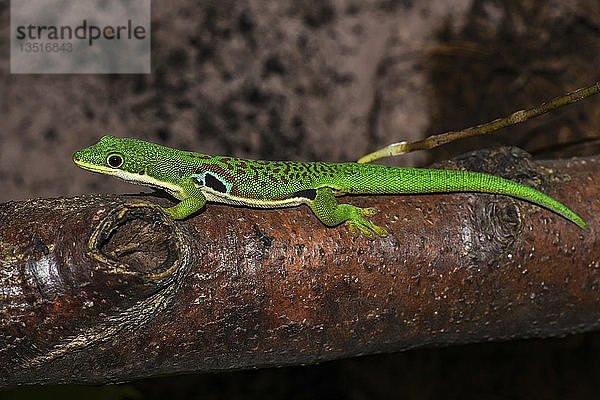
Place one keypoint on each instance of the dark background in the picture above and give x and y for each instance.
(326, 80)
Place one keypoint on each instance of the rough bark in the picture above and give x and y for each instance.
(104, 288)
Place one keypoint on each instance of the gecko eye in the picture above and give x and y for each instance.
(114, 160)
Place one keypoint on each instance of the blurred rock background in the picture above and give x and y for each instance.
(328, 80)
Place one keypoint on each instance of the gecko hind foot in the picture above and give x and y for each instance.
(357, 223)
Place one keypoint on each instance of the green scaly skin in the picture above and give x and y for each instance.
(195, 178)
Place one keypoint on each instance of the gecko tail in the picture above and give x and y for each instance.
(394, 180)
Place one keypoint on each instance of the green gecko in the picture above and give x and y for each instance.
(196, 178)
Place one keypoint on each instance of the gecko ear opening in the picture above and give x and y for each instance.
(114, 160)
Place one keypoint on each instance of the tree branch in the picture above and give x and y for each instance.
(103, 288)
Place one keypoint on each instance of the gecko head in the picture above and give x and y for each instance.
(123, 157)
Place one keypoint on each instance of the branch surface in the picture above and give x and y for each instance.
(97, 289)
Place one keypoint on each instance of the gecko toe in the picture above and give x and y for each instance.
(367, 228)
(369, 211)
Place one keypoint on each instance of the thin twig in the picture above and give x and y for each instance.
(483, 129)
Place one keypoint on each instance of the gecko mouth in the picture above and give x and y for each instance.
(91, 167)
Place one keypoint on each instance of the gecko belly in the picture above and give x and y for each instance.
(227, 198)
